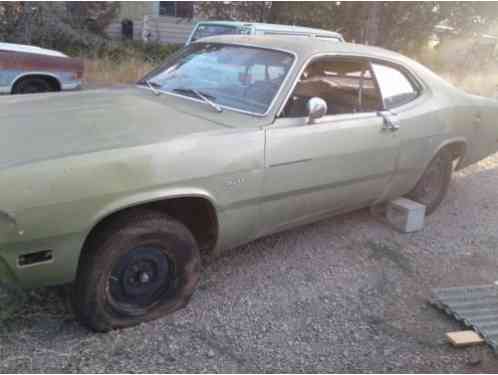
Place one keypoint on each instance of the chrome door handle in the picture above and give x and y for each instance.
(390, 122)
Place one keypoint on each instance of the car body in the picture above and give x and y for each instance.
(230, 171)
(213, 28)
(30, 69)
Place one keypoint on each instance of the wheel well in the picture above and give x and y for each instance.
(197, 214)
(457, 150)
(52, 81)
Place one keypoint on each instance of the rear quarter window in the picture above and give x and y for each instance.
(395, 87)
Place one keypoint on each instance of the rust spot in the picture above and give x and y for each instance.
(37, 62)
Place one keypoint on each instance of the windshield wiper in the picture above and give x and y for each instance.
(153, 86)
(205, 97)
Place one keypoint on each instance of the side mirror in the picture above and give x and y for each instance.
(317, 108)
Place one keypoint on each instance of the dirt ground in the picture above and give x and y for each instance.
(346, 294)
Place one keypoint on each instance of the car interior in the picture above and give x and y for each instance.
(347, 86)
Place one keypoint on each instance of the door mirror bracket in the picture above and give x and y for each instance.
(316, 108)
(390, 122)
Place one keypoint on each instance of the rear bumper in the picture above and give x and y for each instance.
(71, 86)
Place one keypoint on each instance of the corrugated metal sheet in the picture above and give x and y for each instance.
(475, 306)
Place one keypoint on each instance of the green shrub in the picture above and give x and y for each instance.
(118, 52)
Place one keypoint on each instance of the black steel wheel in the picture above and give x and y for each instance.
(140, 278)
(433, 185)
(137, 268)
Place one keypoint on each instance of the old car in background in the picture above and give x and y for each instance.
(29, 69)
(205, 29)
(233, 138)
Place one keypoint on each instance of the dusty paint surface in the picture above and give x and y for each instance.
(348, 294)
(97, 152)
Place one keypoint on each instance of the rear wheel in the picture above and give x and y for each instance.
(32, 86)
(141, 267)
(433, 185)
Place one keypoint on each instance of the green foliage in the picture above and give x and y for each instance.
(93, 16)
(75, 28)
(78, 28)
(403, 26)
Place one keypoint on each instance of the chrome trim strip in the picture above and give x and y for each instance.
(346, 117)
(71, 86)
(275, 98)
(290, 162)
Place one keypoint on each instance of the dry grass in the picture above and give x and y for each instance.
(106, 72)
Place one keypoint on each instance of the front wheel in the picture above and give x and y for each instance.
(138, 268)
(433, 185)
(32, 86)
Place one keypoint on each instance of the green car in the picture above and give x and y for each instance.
(206, 29)
(120, 191)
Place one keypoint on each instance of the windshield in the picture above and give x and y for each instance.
(235, 77)
(205, 30)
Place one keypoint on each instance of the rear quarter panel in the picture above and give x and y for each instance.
(482, 129)
(448, 115)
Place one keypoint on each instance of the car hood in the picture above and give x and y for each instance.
(47, 126)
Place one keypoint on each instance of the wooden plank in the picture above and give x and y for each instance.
(464, 338)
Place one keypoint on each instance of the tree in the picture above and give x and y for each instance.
(71, 26)
(93, 16)
(403, 26)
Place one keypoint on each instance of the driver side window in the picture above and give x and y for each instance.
(346, 85)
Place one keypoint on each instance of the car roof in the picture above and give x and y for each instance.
(304, 46)
(274, 27)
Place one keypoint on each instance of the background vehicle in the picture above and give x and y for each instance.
(233, 138)
(29, 69)
(212, 28)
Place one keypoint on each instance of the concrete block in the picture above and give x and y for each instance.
(405, 215)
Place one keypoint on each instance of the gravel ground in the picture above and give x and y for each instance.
(345, 294)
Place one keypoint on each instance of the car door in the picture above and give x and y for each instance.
(341, 161)
(409, 103)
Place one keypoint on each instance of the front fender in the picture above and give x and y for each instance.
(142, 198)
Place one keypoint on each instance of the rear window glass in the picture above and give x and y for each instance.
(395, 87)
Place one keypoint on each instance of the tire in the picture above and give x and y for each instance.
(139, 267)
(433, 185)
(32, 86)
